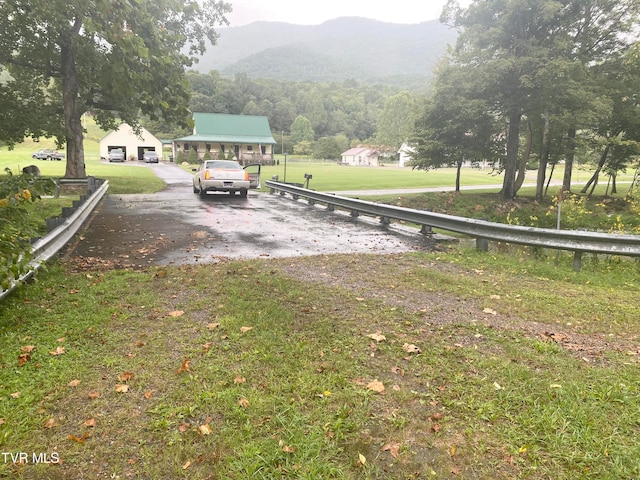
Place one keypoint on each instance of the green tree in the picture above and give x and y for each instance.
(301, 130)
(118, 60)
(397, 119)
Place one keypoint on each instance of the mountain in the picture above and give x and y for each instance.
(340, 49)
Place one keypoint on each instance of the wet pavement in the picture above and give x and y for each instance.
(176, 226)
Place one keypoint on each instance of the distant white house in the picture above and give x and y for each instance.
(133, 146)
(404, 155)
(361, 157)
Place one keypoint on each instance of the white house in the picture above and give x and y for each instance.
(404, 155)
(361, 156)
(133, 146)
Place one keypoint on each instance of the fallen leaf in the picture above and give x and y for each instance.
(176, 313)
(397, 371)
(125, 376)
(140, 343)
(435, 417)
(186, 465)
(61, 339)
(15, 395)
(23, 358)
(78, 439)
(238, 380)
(245, 329)
(378, 337)
(497, 386)
(206, 347)
(27, 348)
(122, 388)
(185, 365)
(94, 395)
(148, 394)
(50, 423)
(411, 348)
(362, 459)
(73, 383)
(212, 326)
(376, 386)
(91, 422)
(288, 449)
(243, 402)
(183, 427)
(205, 429)
(57, 351)
(392, 448)
(435, 427)
(452, 450)
(490, 311)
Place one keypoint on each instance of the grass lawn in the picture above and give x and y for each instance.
(443, 365)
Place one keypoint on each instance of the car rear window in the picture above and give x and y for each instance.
(223, 164)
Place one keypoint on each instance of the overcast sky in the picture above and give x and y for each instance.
(316, 12)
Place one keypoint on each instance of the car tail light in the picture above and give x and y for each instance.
(246, 175)
(207, 175)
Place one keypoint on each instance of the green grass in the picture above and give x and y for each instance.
(489, 396)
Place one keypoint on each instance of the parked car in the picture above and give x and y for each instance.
(116, 155)
(47, 154)
(150, 157)
(225, 176)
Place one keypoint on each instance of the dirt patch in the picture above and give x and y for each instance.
(361, 275)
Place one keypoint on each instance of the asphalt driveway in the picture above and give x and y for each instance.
(176, 226)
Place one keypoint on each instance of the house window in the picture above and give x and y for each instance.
(222, 148)
(186, 147)
(249, 148)
(207, 146)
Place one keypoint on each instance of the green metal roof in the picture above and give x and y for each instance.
(224, 128)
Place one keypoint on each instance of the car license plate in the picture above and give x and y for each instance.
(228, 184)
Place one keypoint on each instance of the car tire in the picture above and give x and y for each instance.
(195, 189)
(243, 192)
(202, 191)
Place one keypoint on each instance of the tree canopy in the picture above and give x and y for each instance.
(115, 59)
(538, 69)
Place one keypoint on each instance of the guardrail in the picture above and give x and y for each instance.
(62, 229)
(576, 241)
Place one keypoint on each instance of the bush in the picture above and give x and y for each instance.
(16, 229)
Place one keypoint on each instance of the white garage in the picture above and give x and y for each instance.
(133, 146)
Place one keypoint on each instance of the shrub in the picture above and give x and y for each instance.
(16, 230)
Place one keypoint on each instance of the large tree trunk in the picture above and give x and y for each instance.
(568, 163)
(72, 116)
(513, 144)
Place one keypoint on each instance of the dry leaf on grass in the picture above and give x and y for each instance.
(91, 422)
(94, 395)
(205, 429)
(243, 402)
(376, 386)
(73, 383)
(212, 326)
(378, 337)
(23, 358)
(490, 311)
(176, 313)
(57, 351)
(185, 365)
(245, 329)
(125, 376)
(411, 348)
(122, 388)
(50, 423)
(238, 380)
(392, 448)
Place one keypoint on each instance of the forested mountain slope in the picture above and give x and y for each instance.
(341, 49)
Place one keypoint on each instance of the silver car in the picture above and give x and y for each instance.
(225, 176)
